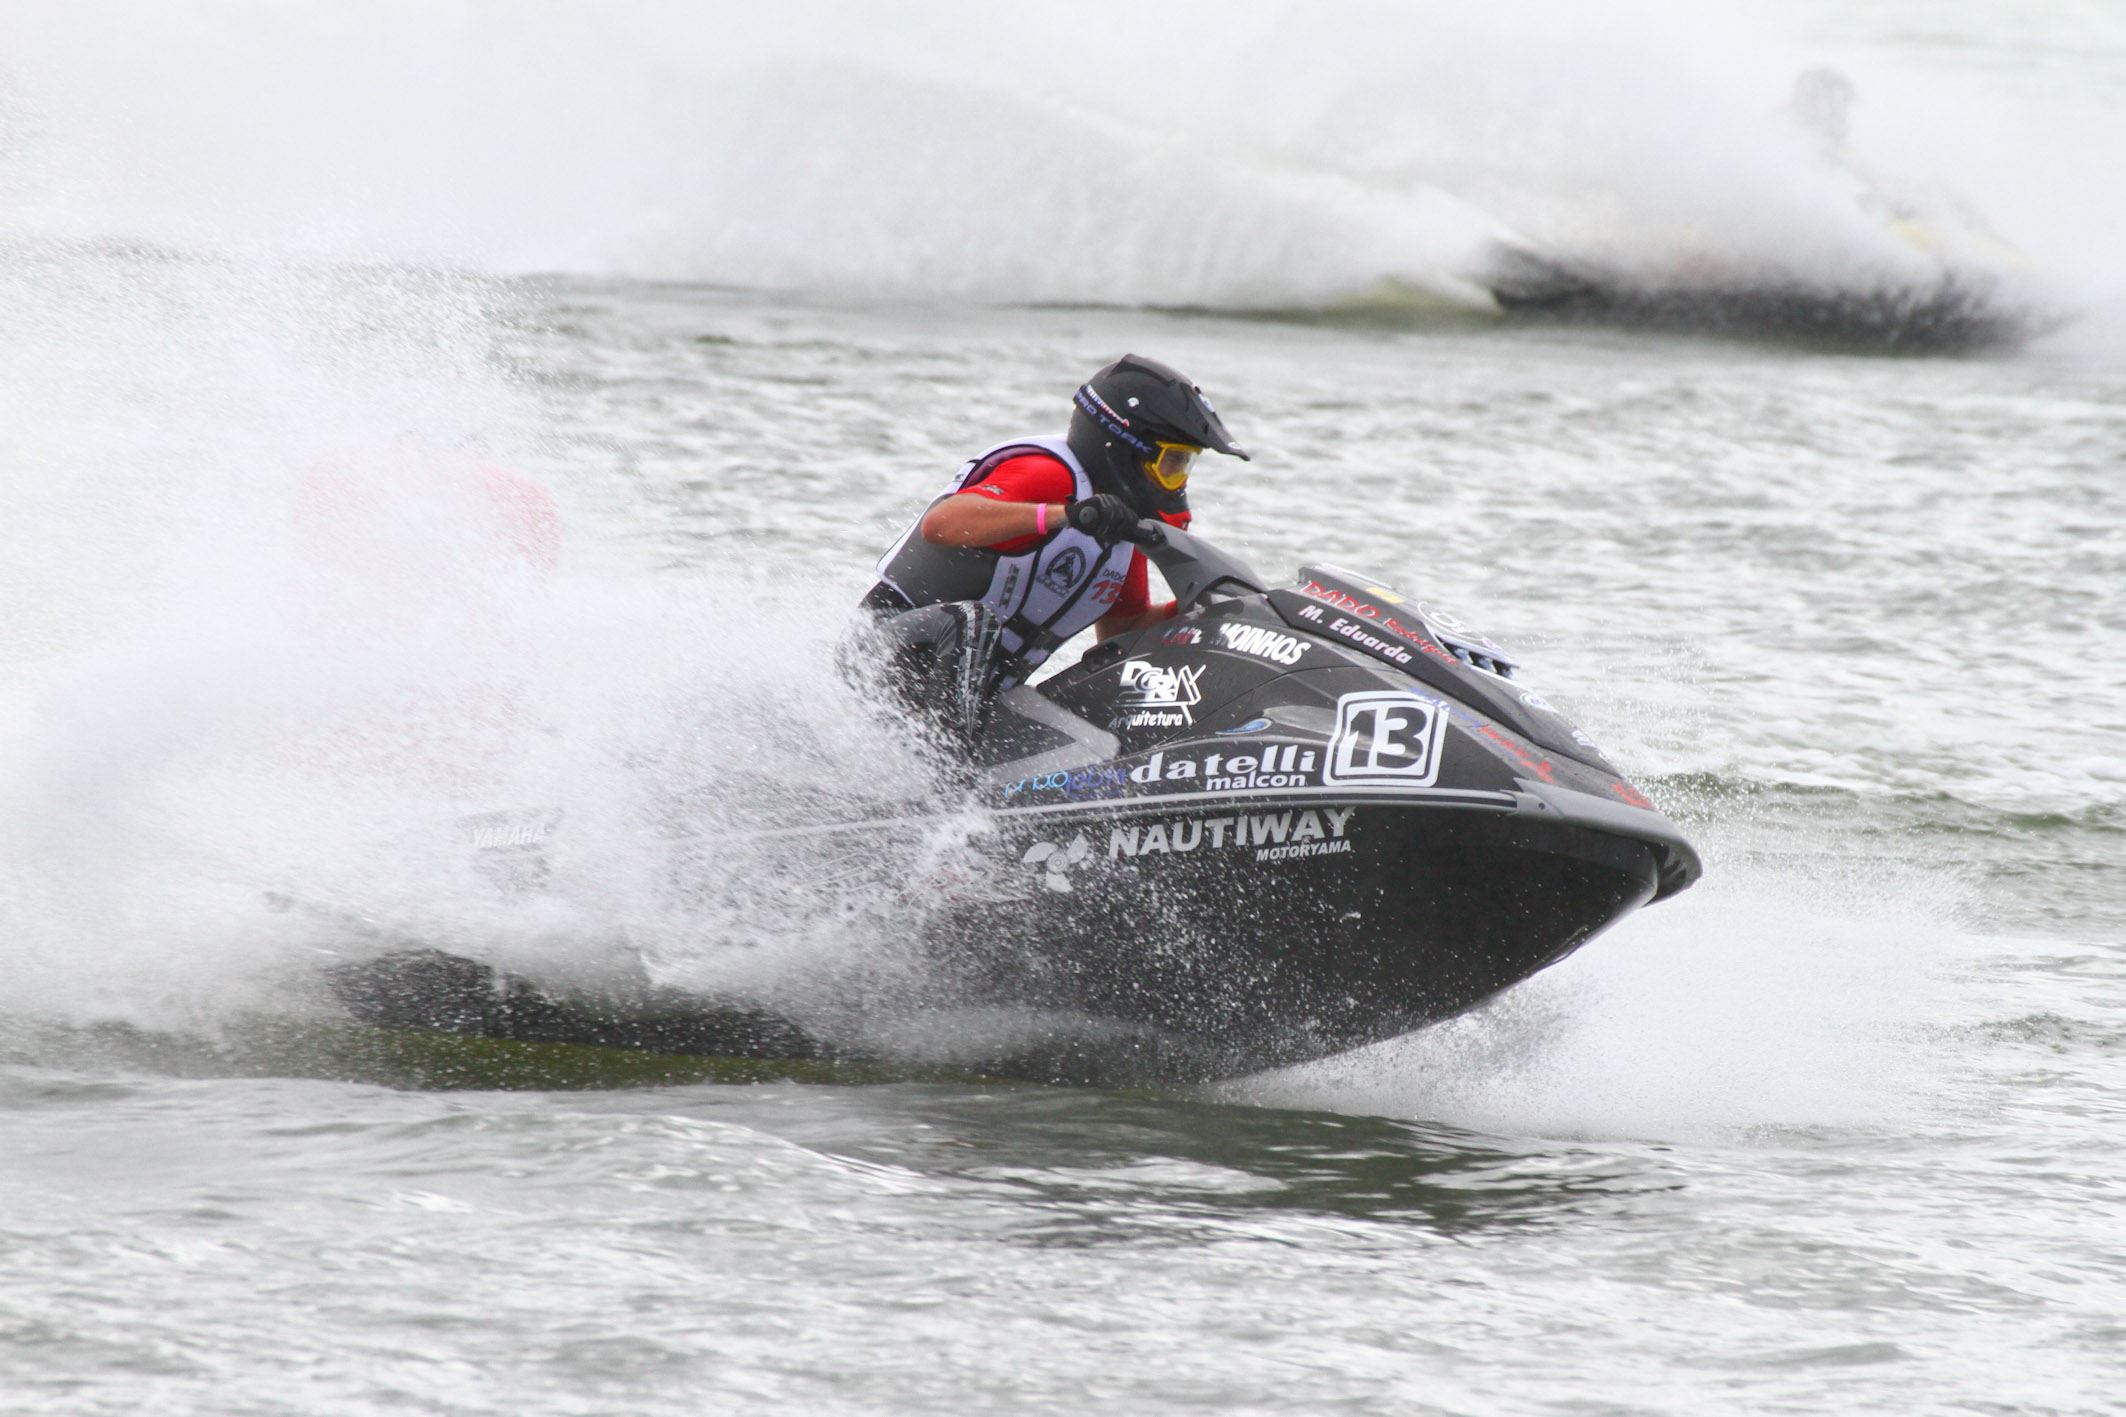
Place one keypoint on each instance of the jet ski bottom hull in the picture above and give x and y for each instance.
(1948, 316)
(1271, 953)
(1170, 947)
(1943, 310)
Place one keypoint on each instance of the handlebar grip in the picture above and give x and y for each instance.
(1148, 533)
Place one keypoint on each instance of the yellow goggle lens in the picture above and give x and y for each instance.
(1169, 466)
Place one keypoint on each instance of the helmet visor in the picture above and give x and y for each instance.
(1169, 464)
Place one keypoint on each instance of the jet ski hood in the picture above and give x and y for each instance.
(1336, 689)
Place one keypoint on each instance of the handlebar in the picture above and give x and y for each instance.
(1193, 567)
(1147, 533)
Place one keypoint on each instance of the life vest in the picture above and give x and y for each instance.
(1045, 594)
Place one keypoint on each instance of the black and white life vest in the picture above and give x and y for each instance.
(1045, 594)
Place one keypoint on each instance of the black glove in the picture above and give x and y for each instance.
(1105, 518)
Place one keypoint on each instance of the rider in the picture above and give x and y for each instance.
(1031, 542)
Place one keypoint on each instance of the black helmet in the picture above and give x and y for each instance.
(1137, 426)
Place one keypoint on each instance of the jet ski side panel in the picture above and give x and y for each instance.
(1276, 934)
(1161, 943)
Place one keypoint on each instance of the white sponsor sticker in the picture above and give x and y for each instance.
(1053, 860)
(1277, 765)
(1156, 696)
(1273, 645)
(1387, 736)
(1268, 836)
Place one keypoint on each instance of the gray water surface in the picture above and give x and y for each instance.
(1838, 1130)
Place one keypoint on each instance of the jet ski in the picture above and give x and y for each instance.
(1923, 306)
(1836, 251)
(1288, 822)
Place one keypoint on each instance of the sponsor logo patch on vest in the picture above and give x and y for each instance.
(1065, 571)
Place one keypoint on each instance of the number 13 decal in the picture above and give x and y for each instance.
(1387, 736)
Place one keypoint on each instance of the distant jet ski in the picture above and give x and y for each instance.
(1938, 303)
(1893, 265)
(1286, 823)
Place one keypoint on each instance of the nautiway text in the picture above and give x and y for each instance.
(1271, 836)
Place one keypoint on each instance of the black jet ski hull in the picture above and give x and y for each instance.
(1291, 823)
(1947, 312)
(1278, 932)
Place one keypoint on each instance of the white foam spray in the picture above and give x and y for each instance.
(196, 705)
(1767, 1001)
(1267, 155)
(295, 585)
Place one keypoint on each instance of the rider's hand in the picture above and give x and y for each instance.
(1105, 518)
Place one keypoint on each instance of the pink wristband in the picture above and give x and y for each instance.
(1040, 519)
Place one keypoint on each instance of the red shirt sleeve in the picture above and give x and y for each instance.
(1030, 477)
(1037, 477)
